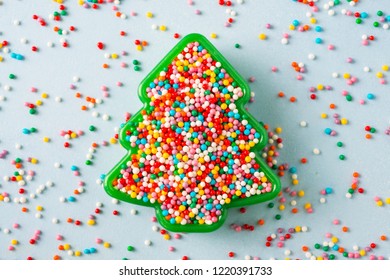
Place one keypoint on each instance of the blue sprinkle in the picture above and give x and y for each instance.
(328, 190)
(74, 168)
(318, 28)
(71, 199)
(293, 170)
(370, 96)
(26, 131)
(328, 131)
(318, 41)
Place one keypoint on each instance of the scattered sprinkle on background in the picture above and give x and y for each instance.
(319, 72)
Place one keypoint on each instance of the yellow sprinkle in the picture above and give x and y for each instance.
(313, 20)
(320, 258)
(39, 208)
(297, 228)
(262, 36)
(149, 14)
(295, 182)
(344, 121)
(39, 102)
(281, 207)
(379, 203)
(139, 48)
(77, 253)
(14, 242)
(385, 67)
(91, 222)
(34, 161)
(106, 245)
(213, 35)
(46, 139)
(278, 130)
(163, 28)
(301, 193)
(320, 86)
(73, 135)
(114, 56)
(113, 141)
(362, 252)
(324, 116)
(307, 205)
(44, 95)
(291, 27)
(346, 76)
(387, 200)
(335, 239)
(167, 236)
(81, 2)
(66, 246)
(379, 74)
(1, 58)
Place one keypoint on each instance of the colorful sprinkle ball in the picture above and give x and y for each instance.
(194, 145)
(318, 73)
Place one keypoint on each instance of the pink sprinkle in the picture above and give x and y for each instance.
(177, 236)
(268, 26)
(119, 84)
(365, 42)
(349, 60)
(99, 241)
(106, 94)
(198, 12)
(154, 219)
(333, 133)
(280, 244)
(171, 249)
(72, 86)
(362, 102)
(344, 93)
(285, 35)
(376, 198)
(274, 69)
(330, 47)
(104, 88)
(328, 235)
(299, 77)
(132, 13)
(59, 237)
(382, 81)
(11, 248)
(349, 13)
(315, 9)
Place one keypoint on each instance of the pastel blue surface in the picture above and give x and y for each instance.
(52, 70)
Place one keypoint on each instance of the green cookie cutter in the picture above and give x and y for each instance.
(113, 174)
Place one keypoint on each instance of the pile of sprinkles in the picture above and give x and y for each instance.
(194, 145)
(66, 91)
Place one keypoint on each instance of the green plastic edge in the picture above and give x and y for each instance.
(216, 55)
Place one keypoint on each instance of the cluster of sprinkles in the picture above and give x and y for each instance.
(24, 186)
(194, 151)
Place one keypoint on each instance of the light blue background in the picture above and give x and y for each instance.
(51, 70)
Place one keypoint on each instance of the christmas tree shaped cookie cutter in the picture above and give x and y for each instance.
(163, 215)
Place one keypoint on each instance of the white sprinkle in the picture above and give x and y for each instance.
(303, 123)
(316, 151)
(148, 242)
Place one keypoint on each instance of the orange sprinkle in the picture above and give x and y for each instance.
(332, 106)
(144, 43)
(281, 94)
(345, 229)
(293, 99)
(69, 220)
(78, 94)
(56, 257)
(60, 247)
(118, 14)
(84, 108)
(368, 136)
(56, 28)
(24, 209)
(105, 65)
(355, 174)
(260, 222)
(294, 210)
(305, 248)
(341, 250)
(383, 237)
(76, 192)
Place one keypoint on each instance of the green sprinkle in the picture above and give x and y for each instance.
(92, 128)
(137, 68)
(372, 130)
(342, 157)
(88, 162)
(348, 97)
(33, 111)
(237, 46)
(130, 248)
(135, 62)
(379, 13)
(359, 21)
(332, 257)
(317, 246)
(33, 129)
(278, 216)
(271, 205)
(339, 144)
(12, 76)
(376, 24)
